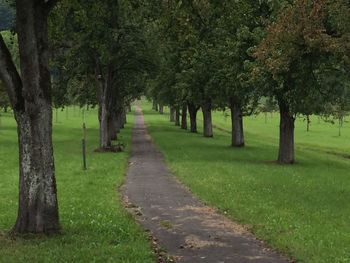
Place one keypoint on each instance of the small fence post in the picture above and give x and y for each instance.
(83, 143)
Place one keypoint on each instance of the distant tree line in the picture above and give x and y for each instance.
(251, 56)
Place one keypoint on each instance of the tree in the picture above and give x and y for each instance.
(30, 97)
(336, 111)
(236, 32)
(181, 76)
(104, 41)
(197, 40)
(300, 49)
(207, 45)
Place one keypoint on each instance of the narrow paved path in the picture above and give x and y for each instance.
(187, 229)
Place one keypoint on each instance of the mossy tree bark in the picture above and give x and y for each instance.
(31, 99)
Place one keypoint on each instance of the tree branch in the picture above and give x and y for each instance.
(10, 76)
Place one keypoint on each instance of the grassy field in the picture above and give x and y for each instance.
(96, 228)
(301, 210)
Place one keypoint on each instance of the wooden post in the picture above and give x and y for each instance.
(83, 143)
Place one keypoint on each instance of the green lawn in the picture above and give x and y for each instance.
(96, 228)
(302, 210)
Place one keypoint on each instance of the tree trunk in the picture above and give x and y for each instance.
(118, 124)
(172, 114)
(192, 109)
(308, 122)
(122, 118)
(177, 116)
(125, 115)
(161, 108)
(105, 138)
(237, 124)
(112, 126)
(340, 125)
(38, 209)
(107, 103)
(155, 105)
(184, 117)
(207, 120)
(286, 144)
(31, 101)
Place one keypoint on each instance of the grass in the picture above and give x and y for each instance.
(96, 228)
(301, 210)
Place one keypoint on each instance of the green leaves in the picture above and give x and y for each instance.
(101, 40)
(299, 48)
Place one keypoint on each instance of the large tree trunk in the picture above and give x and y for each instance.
(172, 114)
(192, 109)
(30, 97)
(207, 120)
(286, 144)
(237, 124)
(38, 209)
(177, 116)
(107, 104)
(184, 117)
